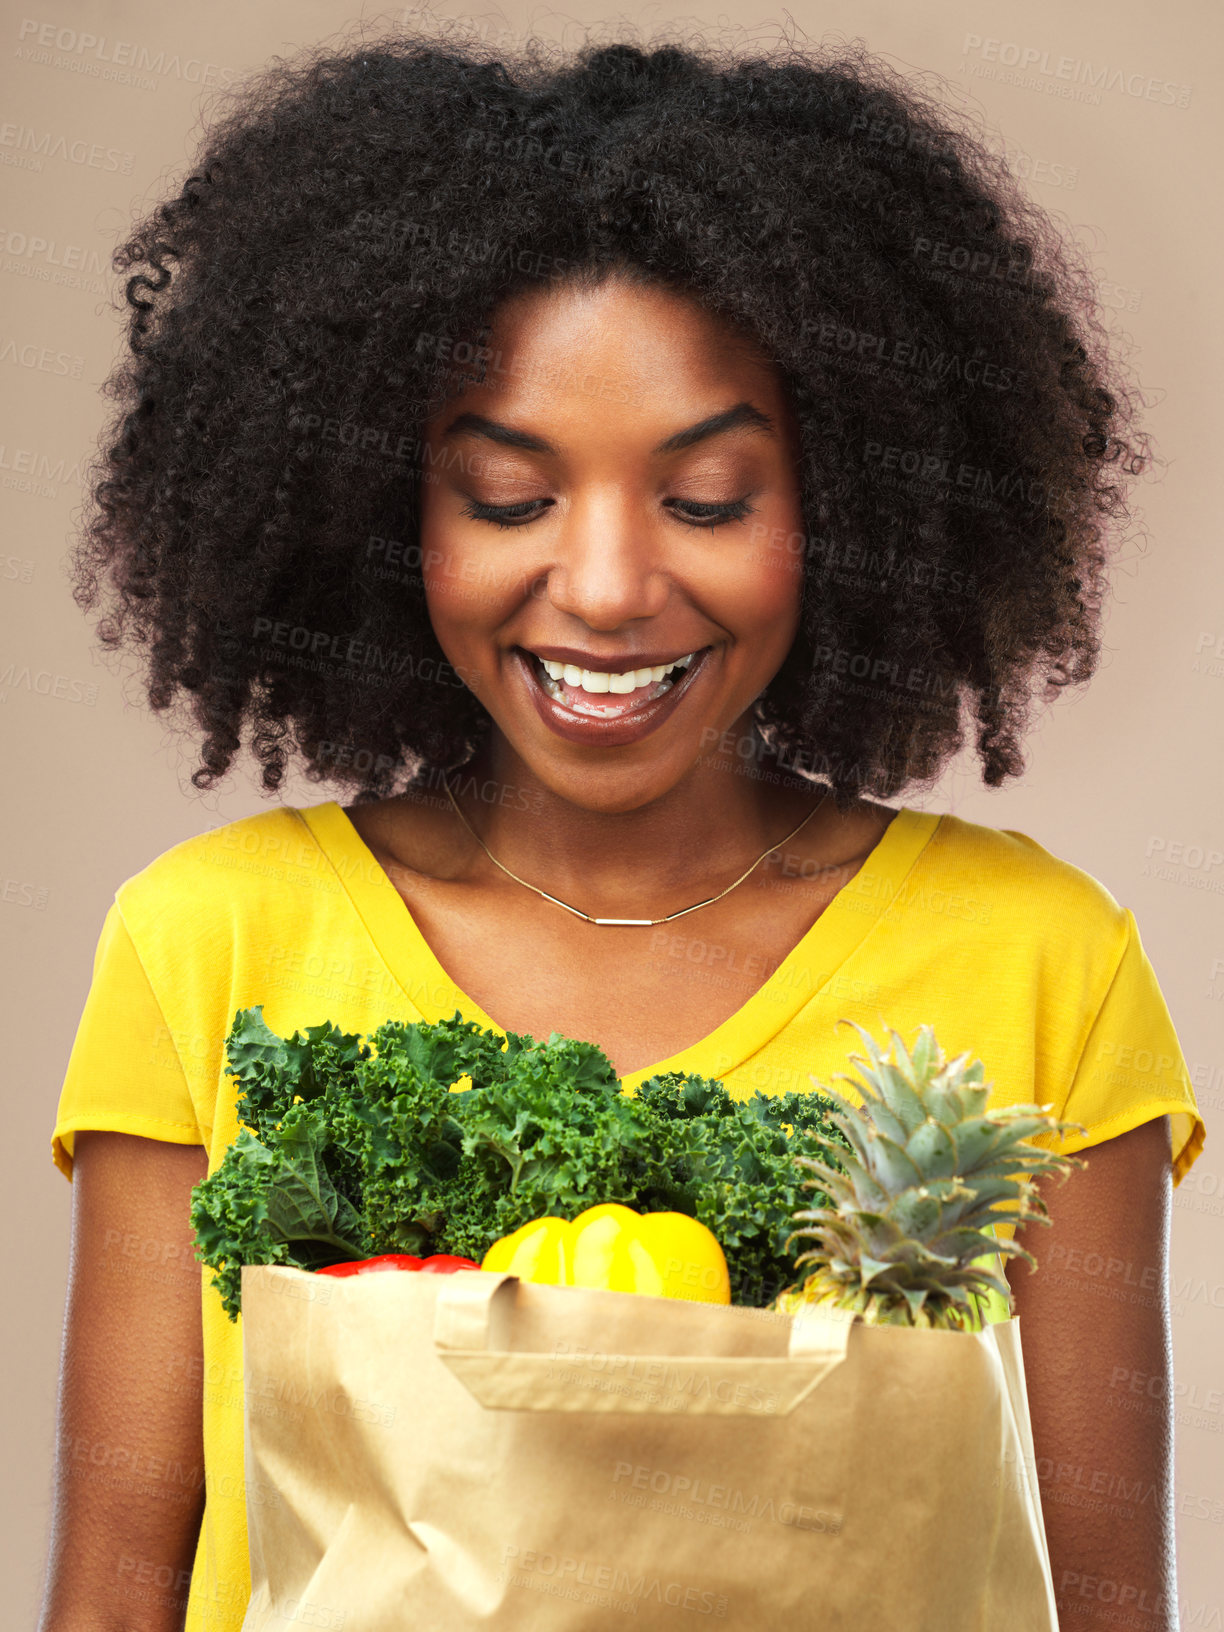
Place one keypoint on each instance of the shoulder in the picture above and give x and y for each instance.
(207, 877)
(1019, 883)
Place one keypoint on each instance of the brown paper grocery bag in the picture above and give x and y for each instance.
(471, 1451)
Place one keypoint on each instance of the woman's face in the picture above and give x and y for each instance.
(605, 504)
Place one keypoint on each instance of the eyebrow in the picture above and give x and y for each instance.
(743, 414)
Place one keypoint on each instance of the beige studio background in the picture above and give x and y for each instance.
(1110, 113)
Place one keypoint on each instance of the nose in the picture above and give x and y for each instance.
(607, 568)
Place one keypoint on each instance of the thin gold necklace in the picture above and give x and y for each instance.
(635, 922)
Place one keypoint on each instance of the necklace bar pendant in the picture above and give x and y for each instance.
(635, 921)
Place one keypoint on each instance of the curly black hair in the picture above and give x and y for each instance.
(327, 274)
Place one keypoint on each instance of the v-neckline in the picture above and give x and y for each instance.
(809, 966)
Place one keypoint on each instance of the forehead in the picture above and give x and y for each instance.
(553, 350)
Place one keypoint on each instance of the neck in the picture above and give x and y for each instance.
(686, 843)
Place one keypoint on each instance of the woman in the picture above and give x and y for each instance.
(624, 476)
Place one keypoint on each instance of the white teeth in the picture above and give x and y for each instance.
(598, 681)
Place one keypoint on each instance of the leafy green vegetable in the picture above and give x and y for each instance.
(730, 1163)
(443, 1138)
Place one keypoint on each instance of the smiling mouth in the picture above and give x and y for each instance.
(600, 695)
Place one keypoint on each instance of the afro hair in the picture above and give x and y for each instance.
(353, 219)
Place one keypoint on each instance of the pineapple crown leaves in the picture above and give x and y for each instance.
(928, 1172)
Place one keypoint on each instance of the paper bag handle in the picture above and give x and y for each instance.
(583, 1379)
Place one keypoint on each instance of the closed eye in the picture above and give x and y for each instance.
(504, 515)
(712, 515)
(689, 512)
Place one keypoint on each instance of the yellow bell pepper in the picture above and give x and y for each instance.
(667, 1254)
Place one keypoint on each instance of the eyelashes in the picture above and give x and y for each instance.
(689, 512)
(712, 515)
(502, 515)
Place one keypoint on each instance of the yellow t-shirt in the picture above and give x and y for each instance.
(1022, 959)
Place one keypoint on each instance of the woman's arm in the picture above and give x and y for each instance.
(1095, 1329)
(129, 1482)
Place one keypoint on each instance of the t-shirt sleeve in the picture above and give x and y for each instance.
(1132, 1069)
(124, 1073)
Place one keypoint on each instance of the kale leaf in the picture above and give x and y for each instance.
(730, 1163)
(445, 1137)
(274, 1203)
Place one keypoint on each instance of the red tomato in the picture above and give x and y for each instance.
(444, 1263)
(371, 1266)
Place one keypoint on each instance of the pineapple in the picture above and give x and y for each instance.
(928, 1172)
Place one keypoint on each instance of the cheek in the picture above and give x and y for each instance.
(764, 592)
(455, 585)
(468, 585)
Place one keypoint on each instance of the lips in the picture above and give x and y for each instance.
(602, 718)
